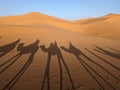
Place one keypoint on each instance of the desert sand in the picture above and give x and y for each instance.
(41, 52)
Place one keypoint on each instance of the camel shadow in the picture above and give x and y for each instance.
(52, 50)
(7, 48)
(106, 52)
(77, 53)
(29, 49)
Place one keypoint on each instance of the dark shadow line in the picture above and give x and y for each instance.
(106, 52)
(46, 73)
(2, 54)
(115, 50)
(103, 59)
(19, 74)
(61, 57)
(97, 73)
(10, 64)
(9, 60)
(61, 76)
(79, 59)
(100, 66)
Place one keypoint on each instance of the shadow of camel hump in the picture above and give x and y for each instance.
(7, 48)
(30, 49)
(89, 68)
(53, 49)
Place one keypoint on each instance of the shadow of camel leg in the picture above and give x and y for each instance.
(47, 73)
(103, 59)
(1, 55)
(91, 60)
(19, 74)
(97, 74)
(79, 59)
(9, 60)
(10, 64)
(60, 67)
(73, 87)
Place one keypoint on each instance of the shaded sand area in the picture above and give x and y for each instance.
(59, 56)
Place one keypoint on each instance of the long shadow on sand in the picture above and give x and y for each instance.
(103, 59)
(53, 49)
(30, 49)
(115, 50)
(75, 51)
(7, 48)
(106, 52)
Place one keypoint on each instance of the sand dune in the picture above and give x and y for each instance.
(105, 26)
(40, 52)
(36, 19)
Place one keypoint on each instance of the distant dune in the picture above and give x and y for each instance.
(105, 26)
(37, 19)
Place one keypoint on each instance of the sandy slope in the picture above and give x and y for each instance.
(105, 26)
(102, 61)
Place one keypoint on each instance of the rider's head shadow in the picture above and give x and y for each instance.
(8, 47)
(72, 49)
(52, 49)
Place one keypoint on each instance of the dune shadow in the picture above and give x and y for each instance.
(8, 47)
(77, 53)
(29, 49)
(106, 52)
(52, 50)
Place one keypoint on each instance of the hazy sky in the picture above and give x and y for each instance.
(66, 9)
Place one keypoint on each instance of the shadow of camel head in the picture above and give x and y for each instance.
(43, 48)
